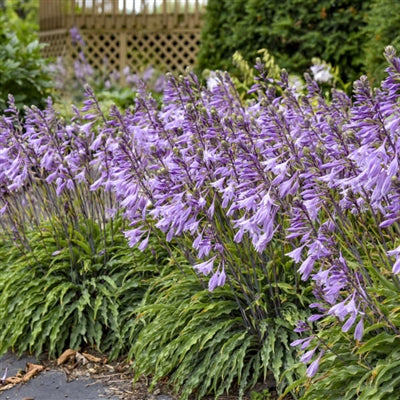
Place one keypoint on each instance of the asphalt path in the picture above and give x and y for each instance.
(48, 384)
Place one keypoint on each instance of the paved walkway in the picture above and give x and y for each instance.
(48, 385)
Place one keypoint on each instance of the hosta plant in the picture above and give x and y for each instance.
(68, 277)
(202, 335)
(67, 292)
(163, 169)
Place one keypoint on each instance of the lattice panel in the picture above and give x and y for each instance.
(102, 50)
(167, 51)
(119, 33)
(56, 44)
(170, 51)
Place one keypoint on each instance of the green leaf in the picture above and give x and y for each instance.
(376, 342)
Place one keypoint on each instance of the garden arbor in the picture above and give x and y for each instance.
(120, 33)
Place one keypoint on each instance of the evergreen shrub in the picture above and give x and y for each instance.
(382, 29)
(294, 31)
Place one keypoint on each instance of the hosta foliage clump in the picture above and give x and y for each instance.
(66, 293)
(59, 294)
(202, 335)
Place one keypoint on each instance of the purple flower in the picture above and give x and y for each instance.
(134, 236)
(349, 323)
(301, 327)
(143, 245)
(296, 254)
(313, 367)
(306, 267)
(76, 36)
(206, 267)
(308, 355)
(396, 265)
(315, 317)
(303, 342)
(218, 279)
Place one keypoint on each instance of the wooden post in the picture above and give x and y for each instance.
(164, 14)
(123, 51)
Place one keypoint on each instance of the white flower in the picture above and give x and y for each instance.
(321, 72)
(212, 80)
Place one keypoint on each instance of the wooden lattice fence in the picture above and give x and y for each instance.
(120, 33)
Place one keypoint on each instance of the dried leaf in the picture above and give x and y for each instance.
(6, 387)
(92, 358)
(81, 359)
(31, 371)
(13, 380)
(66, 356)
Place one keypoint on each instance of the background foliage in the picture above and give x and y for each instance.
(293, 31)
(350, 35)
(24, 72)
(382, 29)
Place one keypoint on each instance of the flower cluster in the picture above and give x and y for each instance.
(46, 171)
(287, 169)
(319, 176)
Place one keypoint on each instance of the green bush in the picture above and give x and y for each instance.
(25, 12)
(23, 71)
(294, 31)
(383, 29)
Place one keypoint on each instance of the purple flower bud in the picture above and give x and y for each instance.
(218, 279)
(396, 266)
(349, 323)
(359, 330)
(315, 317)
(313, 367)
(143, 245)
(301, 327)
(308, 355)
(303, 342)
(298, 342)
